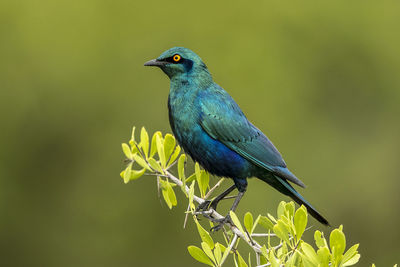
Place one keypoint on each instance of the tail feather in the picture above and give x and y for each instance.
(285, 188)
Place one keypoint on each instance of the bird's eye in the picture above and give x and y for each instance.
(176, 58)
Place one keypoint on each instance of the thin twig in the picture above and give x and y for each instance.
(207, 212)
(280, 245)
(215, 215)
(234, 239)
(251, 239)
(262, 235)
(158, 187)
(214, 187)
(172, 164)
(145, 159)
(169, 158)
(186, 216)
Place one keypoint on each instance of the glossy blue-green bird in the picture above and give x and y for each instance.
(212, 129)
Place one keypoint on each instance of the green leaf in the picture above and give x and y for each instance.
(160, 149)
(137, 174)
(153, 148)
(168, 193)
(171, 194)
(289, 208)
(263, 260)
(234, 260)
(181, 168)
(205, 179)
(248, 222)
(141, 162)
(310, 253)
(134, 148)
(204, 235)
(354, 260)
(175, 154)
(226, 252)
(134, 174)
(283, 250)
(264, 251)
(199, 255)
(300, 221)
(191, 178)
(294, 260)
(236, 221)
(127, 151)
(273, 260)
(221, 247)
(191, 195)
(241, 262)
(323, 255)
(132, 141)
(266, 223)
(218, 253)
(198, 178)
(281, 209)
(155, 165)
(271, 218)
(197, 170)
(144, 141)
(127, 173)
(169, 145)
(350, 253)
(320, 241)
(181, 172)
(206, 248)
(165, 194)
(282, 231)
(337, 242)
(308, 263)
(255, 223)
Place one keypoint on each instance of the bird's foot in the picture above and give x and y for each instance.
(221, 223)
(207, 205)
(205, 209)
(203, 206)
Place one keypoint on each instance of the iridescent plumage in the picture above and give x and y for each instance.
(213, 130)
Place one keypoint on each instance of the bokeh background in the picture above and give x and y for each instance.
(321, 79)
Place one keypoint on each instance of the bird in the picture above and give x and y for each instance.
(210, 126)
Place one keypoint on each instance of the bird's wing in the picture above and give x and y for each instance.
(224, 121)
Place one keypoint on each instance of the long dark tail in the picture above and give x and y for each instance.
(285, 188)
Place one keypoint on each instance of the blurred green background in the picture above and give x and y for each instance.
(321, 79)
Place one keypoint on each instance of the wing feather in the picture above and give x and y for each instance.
(224, 121)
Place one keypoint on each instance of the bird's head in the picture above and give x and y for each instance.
(178, 61)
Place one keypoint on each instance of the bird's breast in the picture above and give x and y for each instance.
(183, 115)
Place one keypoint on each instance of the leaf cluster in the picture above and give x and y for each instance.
(276, 241)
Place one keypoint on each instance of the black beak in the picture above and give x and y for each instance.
(155, 62)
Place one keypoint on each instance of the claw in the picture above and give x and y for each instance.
(221, 223)
(203, 206)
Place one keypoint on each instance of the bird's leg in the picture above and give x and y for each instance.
(213, 204)
(227, 218)
(237, 200)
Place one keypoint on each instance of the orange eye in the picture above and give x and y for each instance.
(176, 58)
